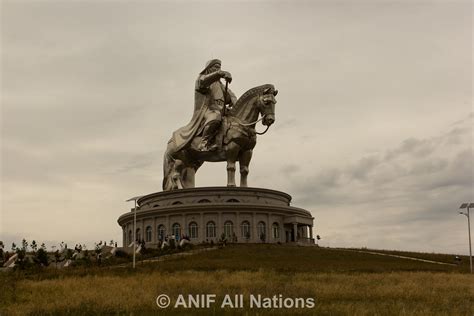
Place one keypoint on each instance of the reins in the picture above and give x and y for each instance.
(268, 126)
(249, 124)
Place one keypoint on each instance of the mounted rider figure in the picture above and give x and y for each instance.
(215, 134)
(211, 97)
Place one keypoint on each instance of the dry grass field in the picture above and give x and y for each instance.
(341, 282)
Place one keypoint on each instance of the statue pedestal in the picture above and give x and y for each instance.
(241, 215)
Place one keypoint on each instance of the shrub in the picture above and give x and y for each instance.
(121, 254)
(68, 253)
(23, 262)
(82, 262)
(41, 257)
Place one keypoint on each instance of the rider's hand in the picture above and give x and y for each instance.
(227, 76)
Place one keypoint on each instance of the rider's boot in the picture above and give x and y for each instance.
(204, 144)
(208, 133)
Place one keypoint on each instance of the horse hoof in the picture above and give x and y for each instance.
(231, 185)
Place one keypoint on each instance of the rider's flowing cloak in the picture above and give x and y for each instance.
(185, 134)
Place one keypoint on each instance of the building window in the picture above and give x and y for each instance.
(130, 237)
(211, 230)
(176, 203)
(276, 231)
(161, 232)
(261, 231)
(138, 235)
(233, 201)
(204, 201)
(177, 231)
(148, 234)
(228, 229)
(193, 230)
(245, 230)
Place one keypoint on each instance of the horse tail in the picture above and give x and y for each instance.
(168, 163)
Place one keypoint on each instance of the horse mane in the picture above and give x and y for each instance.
(243, 100)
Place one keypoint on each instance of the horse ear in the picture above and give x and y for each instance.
(266, 91)
(275, 93)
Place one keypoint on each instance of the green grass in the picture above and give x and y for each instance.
(301, 259)
(342, 282)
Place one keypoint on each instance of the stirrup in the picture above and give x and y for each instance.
(213, 147)
(202, 146)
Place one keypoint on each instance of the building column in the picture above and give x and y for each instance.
(154, 231)
(238, 228)
(126, 240)
(220, 226)
(268, 229)
(311, 231)
(253, 229)
(184, 229)
(124, 236)
(202, 229)
(295, 231)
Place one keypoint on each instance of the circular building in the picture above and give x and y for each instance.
(239, 214)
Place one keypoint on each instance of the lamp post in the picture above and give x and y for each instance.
(134, 226)
(467, 206)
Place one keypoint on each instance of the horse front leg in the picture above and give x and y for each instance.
(244, 161)
(232, 154)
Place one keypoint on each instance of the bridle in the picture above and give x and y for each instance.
(249, 124)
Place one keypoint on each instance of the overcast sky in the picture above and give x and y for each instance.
(374, 120)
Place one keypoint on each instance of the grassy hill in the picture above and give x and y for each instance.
(309, 259)
(342, 282)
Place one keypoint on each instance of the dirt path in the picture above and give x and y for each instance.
(397, 256)
(179, 254)
(170, 256)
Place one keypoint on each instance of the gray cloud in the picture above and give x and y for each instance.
(414, 164)
(290, 169)
(407, 190)
(141, 161)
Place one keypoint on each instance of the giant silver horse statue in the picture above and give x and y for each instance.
(236, 137)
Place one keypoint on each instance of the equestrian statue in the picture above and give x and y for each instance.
(222, 129)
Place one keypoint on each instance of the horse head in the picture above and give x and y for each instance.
(266, 105)
(259, 100)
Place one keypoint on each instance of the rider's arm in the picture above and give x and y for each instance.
(204, 81)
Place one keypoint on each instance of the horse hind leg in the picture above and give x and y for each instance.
(169, 167)
(177, 175)
(244, 161)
